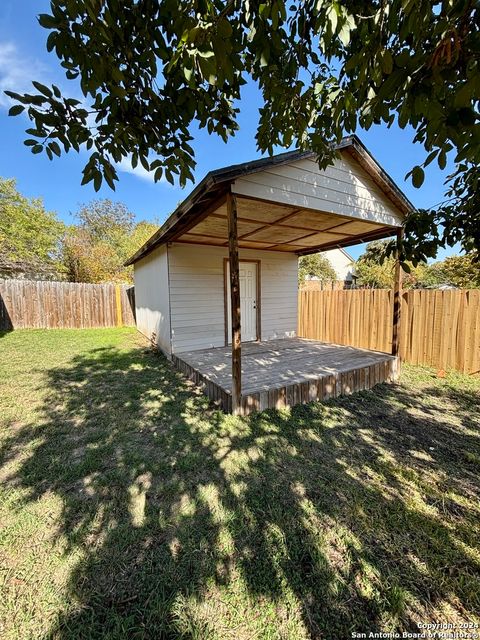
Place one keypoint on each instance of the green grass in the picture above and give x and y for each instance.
(129, 508)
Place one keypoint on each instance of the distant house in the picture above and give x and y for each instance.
(344, 266)
(224, 266)
(343, 263)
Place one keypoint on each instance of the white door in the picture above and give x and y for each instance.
(248, 301)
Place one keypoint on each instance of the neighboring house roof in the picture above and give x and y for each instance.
(341, 261)
(215, 183)
(347, 255)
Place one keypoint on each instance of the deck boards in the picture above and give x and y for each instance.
(286, 371)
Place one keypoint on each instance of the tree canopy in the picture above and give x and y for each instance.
(375, 268)
(460, 271)
(316, 266)
(148, 70)
(34, 243)
(106, 234)
(30, 236)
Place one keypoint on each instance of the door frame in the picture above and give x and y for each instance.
(258, 297)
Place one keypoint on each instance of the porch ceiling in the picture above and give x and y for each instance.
(292, 224)
(271, 226)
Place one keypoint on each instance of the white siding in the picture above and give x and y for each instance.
(151, 298)
(343, 264)
(344, 188)
(197, 294)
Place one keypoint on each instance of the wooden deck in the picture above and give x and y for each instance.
(282, 373)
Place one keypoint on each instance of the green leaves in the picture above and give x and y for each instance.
(317, 266)
(46, 21)
(16, 110)
(29, 233)
(42, 88)
(224, 28)
(418, 176)
(54, 147)
(149, 71)
(387, 62)
(105, 235)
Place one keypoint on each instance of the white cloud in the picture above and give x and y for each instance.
(17, 71)
(140, 172)
(126, 166)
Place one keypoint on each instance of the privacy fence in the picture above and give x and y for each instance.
(438, 328)
(30, 304)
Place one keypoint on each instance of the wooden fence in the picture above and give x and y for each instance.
(438, 328)
(31, 304)
(331, 285)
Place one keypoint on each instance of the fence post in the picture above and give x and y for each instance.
(397, 298)
(118, 299)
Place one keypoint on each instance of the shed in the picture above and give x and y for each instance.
(223, 270)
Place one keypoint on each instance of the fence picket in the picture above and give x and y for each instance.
(438, 328)
(30, 304)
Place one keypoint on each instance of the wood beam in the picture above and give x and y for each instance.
(302, 227)
(385, 232)
(198, 217)
(235, 303)
(397, 298)
(269, 224)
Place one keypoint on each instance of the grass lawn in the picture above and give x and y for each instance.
(130, 509)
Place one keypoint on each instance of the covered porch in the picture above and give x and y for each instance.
(285, 206)
(285, 372)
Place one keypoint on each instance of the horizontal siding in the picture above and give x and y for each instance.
(344, 189)
(197, 295)
(345, 176)
(151, 298)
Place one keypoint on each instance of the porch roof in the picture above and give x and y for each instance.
(273, 224)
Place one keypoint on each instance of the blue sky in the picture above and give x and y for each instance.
(23, 57)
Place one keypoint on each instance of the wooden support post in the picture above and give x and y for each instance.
(235, 304)
(397, 299)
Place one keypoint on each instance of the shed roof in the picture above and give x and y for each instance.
(208, 197)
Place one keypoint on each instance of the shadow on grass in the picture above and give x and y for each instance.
(5, 320)
(360, 514)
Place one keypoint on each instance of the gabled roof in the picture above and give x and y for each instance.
(218, 182)
(346, 254)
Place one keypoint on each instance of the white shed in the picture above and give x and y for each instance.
(263, 214)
